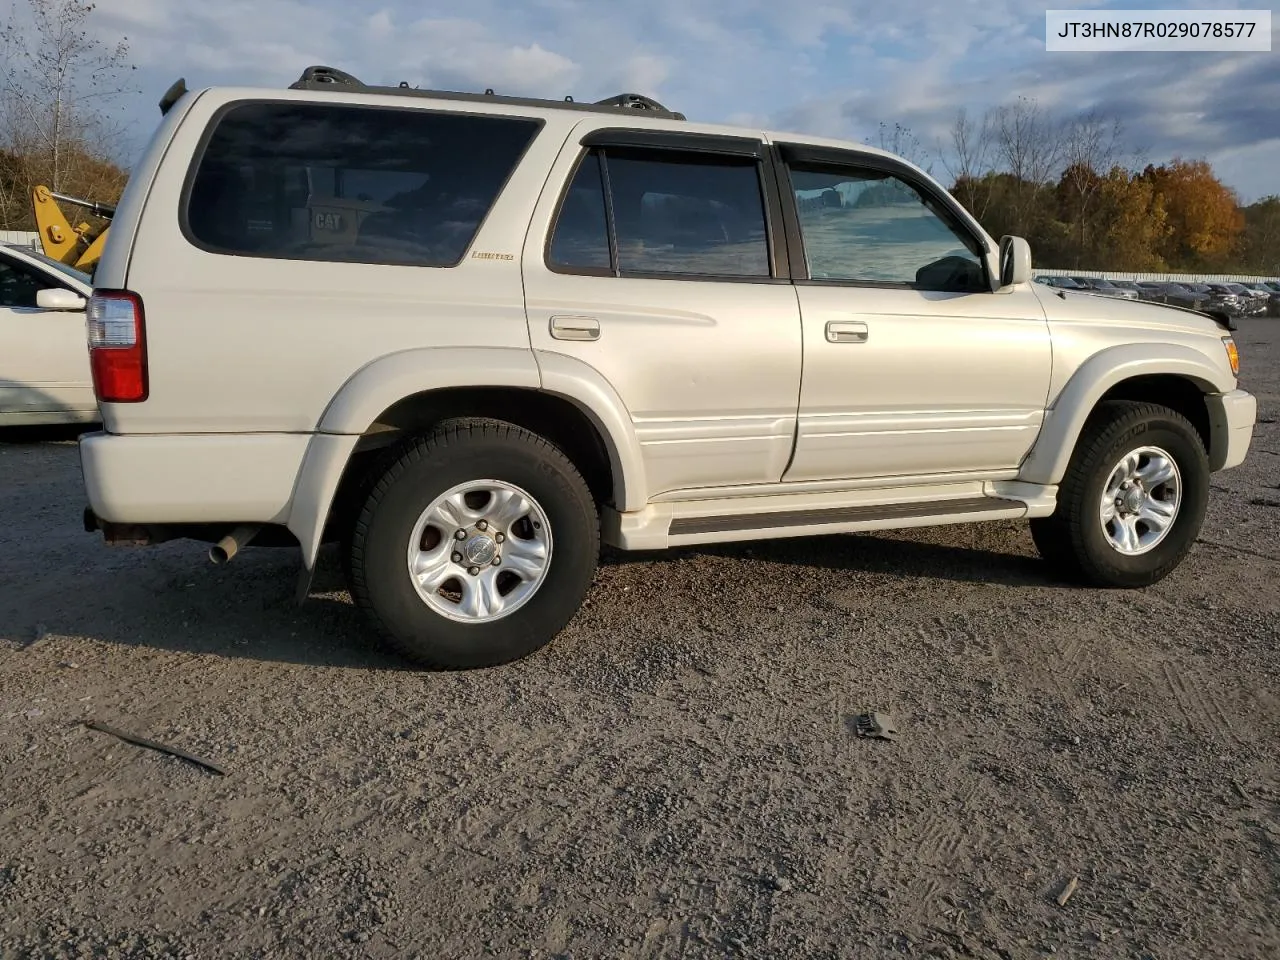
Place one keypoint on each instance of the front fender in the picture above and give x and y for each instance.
(1047, 462)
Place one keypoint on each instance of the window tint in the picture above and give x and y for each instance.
(688, 214)
(581, 239)
(18, 286)
(326, 182)
(869, 226)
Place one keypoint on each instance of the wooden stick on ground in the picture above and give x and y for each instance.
(1068, 891)
(153, 745)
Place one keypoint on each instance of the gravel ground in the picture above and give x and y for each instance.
(676, 776)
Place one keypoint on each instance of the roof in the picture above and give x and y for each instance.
(327, 78)
(638, 108)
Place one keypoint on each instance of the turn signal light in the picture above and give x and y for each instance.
(1233, 355)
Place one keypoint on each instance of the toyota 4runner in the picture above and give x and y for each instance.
(469, 337)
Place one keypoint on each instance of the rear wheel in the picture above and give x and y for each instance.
(475, 547)
(1133, 498)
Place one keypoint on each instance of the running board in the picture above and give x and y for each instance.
(693, 526)
(674, 523)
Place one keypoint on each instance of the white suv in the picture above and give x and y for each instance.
(470, 336)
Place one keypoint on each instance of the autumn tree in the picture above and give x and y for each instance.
(1204, 215)
(60, 91)
(1133, 220)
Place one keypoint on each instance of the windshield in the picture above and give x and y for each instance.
(71, 272)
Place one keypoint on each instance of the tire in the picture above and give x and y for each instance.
(1081, 544)
(468, 621)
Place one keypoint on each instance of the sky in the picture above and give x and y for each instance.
(827, 67)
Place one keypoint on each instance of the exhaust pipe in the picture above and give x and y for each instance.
(230, 545)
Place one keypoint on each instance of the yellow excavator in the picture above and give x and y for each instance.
(79, 246)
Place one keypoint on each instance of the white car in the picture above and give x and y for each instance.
(44, 360)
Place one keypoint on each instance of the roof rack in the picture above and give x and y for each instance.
(330, 78)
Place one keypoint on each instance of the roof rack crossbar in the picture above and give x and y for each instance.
(331, 78)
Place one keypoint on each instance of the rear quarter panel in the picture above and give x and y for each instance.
(242, 344)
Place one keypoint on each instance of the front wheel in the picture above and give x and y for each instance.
(1133, 498)
(475, 547)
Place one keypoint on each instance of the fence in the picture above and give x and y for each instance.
(1177, 277)
(24, 238)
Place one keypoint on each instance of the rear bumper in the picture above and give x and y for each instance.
(1231, 419)
(191, 478)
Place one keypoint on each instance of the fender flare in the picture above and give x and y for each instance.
(588, 390)
(1048, 459)
(384, 382)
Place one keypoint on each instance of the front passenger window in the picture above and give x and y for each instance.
(866, 226)
(18, 287)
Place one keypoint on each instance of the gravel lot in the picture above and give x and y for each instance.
(677, 776)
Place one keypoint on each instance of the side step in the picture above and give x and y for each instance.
(693, 526)
(675, 523)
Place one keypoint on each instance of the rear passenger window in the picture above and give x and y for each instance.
(326, 182)
(670, 214)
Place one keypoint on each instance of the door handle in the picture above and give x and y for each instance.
(847, 331)
(575, 328)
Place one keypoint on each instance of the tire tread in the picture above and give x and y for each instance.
(414, 449)
(1060, 538)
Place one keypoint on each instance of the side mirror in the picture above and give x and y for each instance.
(1015, 261)
(55, 298)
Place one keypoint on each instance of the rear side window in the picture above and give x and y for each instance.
(303, 181)
(581, 239)
(669, 214)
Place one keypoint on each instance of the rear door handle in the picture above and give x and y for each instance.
(575, 328)
(847, 331)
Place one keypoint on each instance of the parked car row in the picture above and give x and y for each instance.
(1098, 285)
(1234, 300)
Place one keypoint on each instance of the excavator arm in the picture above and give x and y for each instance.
(79, 246)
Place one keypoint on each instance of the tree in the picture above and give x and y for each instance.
(1204, 216)
(899, 140)
(1135, 223)
(1027, 141)
(59, 89)
(1262, 236)
(971, 146)
(1089, 144)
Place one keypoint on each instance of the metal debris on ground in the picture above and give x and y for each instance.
(153, 745)
(879, 726)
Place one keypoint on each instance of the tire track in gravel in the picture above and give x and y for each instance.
(1198, 704)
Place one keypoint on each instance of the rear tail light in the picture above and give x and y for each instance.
(117, 346)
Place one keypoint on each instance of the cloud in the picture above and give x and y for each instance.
(832, 67)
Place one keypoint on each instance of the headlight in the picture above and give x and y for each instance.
(1233, 355)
